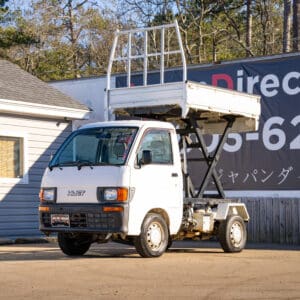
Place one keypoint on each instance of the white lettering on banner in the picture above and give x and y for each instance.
(269, 132)
(239, 86)
(214, 143)
(237, 142)
(269, 84)
(251, 81)
(257, 175)
(295, 143)
(273, 137)
(285, 83)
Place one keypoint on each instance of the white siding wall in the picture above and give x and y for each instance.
(19, 202)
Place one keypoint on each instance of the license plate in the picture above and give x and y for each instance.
(60, 220)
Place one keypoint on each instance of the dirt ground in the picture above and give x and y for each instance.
(111, 271)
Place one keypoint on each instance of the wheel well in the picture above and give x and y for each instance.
(163, 213)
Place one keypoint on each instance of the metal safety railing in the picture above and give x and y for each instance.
(144, 53)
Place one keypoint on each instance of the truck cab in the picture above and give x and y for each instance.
(107, 177)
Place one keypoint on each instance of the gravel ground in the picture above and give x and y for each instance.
(111, 271)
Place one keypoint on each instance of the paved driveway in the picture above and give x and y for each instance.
(113, 271)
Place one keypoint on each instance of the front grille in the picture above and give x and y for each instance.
(78, 220)
(89, 220)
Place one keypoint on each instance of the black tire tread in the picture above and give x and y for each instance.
(141, 244)
(223, 234)
(72, 246)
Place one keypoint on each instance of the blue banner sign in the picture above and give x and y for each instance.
(268, 159)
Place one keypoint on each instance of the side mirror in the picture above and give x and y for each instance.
(146, 158)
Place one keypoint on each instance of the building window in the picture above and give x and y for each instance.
(12, 159)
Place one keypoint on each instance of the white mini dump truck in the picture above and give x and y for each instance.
(128, 180)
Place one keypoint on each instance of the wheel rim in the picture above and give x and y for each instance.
(154, 236)
(236, 234)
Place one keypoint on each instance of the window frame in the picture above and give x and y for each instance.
(25, 178)
(170, 136)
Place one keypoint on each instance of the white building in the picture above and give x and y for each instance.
(35, 119)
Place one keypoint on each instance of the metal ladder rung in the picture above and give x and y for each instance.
(125, 58)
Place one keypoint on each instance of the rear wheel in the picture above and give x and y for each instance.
(154, 236)
(233, 234)
(73, 245)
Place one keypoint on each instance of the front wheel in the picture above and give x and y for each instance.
(73, 245)
(233, 234)
(154, 236)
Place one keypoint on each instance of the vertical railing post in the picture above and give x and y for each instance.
(129, 61)
(108, 76)
(145, 78)
(162, 56)
(184, 72)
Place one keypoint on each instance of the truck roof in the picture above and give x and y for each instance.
(130, 123)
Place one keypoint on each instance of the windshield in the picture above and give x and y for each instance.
(95, 146)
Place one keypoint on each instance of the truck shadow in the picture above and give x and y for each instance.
(51, 252)
(194, 250)
(38, 253)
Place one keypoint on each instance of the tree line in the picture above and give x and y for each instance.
(63, 39)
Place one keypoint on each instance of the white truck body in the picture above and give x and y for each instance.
(128, 180)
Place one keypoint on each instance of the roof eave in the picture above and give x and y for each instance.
(42, 110)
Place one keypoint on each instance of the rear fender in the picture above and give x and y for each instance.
(225, 209)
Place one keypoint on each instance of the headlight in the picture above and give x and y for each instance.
(48, 194)
(110, 194)
(113, 194)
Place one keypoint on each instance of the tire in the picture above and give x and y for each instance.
(170, 242)
(154, 236)
(73, 246)
(232, 234)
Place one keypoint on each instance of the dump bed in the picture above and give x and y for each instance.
(176, 100)
(171, 101)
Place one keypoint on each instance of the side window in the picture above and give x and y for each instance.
(159, 143)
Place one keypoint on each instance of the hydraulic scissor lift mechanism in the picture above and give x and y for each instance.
(196, 109)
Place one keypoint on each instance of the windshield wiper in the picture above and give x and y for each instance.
(78, 163)
(55, 165)
(83, 163)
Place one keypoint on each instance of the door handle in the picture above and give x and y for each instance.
(174, 174)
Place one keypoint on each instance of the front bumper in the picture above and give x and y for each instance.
(85, 218)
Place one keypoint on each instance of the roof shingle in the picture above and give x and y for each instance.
(18, 85)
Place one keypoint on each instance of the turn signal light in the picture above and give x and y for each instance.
(41, 194)
(113, 209)
(44, 209)
(122, 194)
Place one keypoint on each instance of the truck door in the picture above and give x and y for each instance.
(157, 184)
